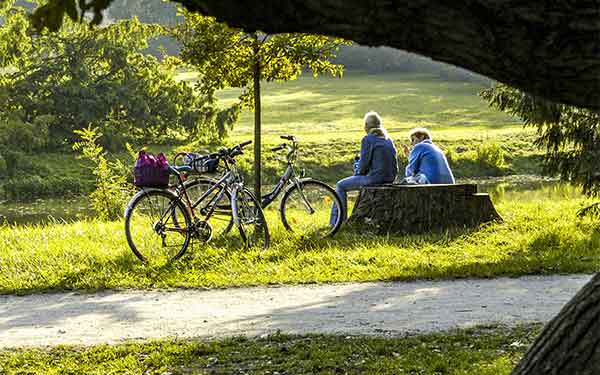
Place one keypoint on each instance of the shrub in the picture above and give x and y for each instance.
(112, 189)
(490, 156)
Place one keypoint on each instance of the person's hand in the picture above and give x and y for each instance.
(406, 149)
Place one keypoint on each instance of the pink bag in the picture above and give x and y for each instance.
(151, 171)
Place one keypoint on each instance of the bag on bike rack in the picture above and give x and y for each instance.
(151, 171)
(204, 164)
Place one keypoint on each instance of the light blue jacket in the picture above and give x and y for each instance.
(428, 159)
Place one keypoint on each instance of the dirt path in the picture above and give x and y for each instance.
(367, 308)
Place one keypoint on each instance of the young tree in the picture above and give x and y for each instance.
(229, 57)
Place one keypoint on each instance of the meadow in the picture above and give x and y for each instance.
(326, 115)
(536, 237)
(540, 232)
(491, 350)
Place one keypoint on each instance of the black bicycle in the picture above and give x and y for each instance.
(160, 223)
(306, 206)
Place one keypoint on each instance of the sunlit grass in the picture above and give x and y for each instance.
(481, 351)
(326, 116)
(536, 237)
(404, 100)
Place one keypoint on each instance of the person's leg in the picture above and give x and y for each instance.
(342, 188)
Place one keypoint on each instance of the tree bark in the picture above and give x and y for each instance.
(421, 208)
(548, 48)
(570, 343)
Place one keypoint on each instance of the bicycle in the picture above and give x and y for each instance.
(306, 204)
(161, 222)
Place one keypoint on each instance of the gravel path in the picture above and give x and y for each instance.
(391, 308)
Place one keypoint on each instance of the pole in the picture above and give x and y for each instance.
(257, 143)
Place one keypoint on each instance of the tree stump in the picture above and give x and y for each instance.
(421, 208)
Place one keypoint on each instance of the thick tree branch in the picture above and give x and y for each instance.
(547, 48)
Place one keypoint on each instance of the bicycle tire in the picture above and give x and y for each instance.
(144, 229)
(292, 217)
(222, 220)
(250, 219)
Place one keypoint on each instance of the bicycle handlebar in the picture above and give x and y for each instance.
(280, 147)
(288, 137)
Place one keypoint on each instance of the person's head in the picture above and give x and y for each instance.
(418, 135)
(374, 124)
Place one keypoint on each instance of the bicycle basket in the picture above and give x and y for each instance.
(204, 164)
(151, 171)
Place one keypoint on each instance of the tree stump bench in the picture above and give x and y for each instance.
(393, 208)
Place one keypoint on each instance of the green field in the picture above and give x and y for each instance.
(539, 234)
(481, 351)
(326, 115)
(536, 237)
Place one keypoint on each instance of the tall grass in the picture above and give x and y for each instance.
(536, 237)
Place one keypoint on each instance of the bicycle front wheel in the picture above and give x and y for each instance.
(157, 226)
(250, 219)
(307, 208)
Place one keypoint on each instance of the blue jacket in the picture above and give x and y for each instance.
(427, 158)
(378, 158)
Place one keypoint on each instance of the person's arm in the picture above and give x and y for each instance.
(414, 159)
(365, 156)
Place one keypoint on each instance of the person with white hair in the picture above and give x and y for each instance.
(427, 163)
(378, 162)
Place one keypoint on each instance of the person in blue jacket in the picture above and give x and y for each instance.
(377, 164)
(427, 163)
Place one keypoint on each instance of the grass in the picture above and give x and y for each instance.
(484, 351)
(536, 237)
(326, 115)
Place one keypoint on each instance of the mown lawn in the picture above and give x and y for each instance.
(482, 351)
(536, 237)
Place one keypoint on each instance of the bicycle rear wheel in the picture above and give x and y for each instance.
(306, 209)
(250, 219)
(221, 220)
(157, 226)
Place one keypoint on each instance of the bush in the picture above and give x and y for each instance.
(100, 77)
(112, 189)
(490, 156)
(33, 187)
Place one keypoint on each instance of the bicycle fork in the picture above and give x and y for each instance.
(303, 197)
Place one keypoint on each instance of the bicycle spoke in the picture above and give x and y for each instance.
(251, 221)
(156, 227)
(308, 211)
(221, 219)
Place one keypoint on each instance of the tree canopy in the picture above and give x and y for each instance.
(226, 57)
(82, 76)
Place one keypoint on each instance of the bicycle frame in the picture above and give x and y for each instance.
(288, 178)
(228, 181)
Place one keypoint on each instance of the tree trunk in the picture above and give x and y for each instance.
(548, 48)
(257, 141)
(421, 208)
(570, 343)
